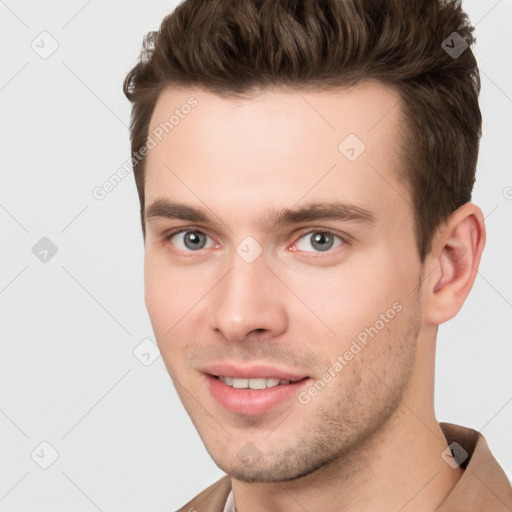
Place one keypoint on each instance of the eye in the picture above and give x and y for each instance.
(322, 241)
(189, 240)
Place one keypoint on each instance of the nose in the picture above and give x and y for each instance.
(249, 299)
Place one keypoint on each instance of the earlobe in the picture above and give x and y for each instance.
(455, 258)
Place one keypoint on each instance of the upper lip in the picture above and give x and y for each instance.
(251, 371)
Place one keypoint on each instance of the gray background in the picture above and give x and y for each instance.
(69, 376)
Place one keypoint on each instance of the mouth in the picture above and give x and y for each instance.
(255, 383)
(253, 390)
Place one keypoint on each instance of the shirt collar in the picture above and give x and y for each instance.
(483, 485)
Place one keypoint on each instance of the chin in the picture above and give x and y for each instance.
(276, 471)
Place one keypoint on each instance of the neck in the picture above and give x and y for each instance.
(399, 468)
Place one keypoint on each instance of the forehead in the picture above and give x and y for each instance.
(277, 148)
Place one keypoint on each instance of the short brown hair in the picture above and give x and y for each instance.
(233, 47)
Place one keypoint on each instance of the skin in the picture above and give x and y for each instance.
(359, 442)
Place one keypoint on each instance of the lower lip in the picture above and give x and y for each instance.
(252, 402)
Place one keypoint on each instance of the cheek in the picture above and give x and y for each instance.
(350, 297)
(165, 296)
(155, 295)
(370, 313)
(174, 297)
(376, 359)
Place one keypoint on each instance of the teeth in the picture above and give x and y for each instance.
(240, 383)
(260, 383)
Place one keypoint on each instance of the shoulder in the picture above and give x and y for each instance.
(212, 499)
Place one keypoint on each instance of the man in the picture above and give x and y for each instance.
(305, 173)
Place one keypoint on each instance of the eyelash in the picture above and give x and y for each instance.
(343, 239)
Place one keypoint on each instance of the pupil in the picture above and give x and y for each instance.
(324, 240)
(193, 239)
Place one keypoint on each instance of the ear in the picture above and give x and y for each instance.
(453, 263)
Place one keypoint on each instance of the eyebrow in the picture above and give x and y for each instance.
(328, 210)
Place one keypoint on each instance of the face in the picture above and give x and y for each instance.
(281, 271)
